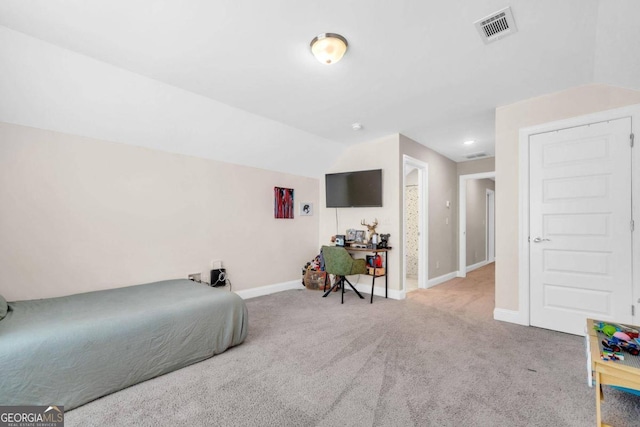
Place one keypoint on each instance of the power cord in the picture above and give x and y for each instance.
(202, 282)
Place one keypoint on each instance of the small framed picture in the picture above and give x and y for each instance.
(283, 206)
(306, 208)
(360, 236)
(351, 235)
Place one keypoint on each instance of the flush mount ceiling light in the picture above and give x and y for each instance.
(470, 142)
(329, 48)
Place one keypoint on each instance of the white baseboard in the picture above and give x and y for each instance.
(476, 265)
(441, 279)
(269, 289)
(297, 284)
(511, 316)
(379, 291)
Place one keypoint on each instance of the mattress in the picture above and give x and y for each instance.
(71, 350)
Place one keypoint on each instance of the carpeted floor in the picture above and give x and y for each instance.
(435, 359)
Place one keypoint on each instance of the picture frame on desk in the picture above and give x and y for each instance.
(360, 236)
(351, 235)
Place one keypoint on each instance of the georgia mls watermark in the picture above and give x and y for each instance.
(31, 416)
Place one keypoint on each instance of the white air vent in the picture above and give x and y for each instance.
(496, 26)
(476, 155)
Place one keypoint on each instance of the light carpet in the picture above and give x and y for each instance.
(435, 359)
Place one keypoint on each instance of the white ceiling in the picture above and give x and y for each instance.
(416, 67)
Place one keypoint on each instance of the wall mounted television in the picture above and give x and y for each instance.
(358, 189)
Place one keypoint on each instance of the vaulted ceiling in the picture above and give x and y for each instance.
(417, 67)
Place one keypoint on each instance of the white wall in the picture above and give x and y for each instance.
(381, 154)
(80, 214)
(509, 119)
(47, 87)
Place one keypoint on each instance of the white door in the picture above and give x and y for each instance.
(580, 226)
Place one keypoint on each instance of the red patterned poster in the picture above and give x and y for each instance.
(283, 202)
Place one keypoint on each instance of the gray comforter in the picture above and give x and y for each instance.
(71, 350)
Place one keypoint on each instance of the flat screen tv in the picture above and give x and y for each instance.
(359, 189)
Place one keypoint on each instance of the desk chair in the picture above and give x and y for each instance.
(337, 261)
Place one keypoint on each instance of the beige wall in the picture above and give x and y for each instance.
(477, 166)
(476, 211)
(509, 120)
(443, 187)
(81, 214)
(380, 154)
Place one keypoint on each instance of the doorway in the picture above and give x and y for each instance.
(415, 229)
(491, 225)
(476, 226)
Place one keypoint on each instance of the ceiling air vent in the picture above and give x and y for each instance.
(496, 26)
(476, 155)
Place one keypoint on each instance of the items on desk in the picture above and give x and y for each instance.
(384, 241)
(373, 236)
(374, 260)
(373, 271)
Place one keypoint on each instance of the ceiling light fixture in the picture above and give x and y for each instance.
(470, 142)
(329, 48)
(356, 126)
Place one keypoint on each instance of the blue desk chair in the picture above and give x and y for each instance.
(338, 262)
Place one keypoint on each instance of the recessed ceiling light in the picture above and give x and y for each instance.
(469, 142)
(356, 126)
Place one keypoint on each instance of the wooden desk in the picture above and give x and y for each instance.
(386, 267)
(613, 373)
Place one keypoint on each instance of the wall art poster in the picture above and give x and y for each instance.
(306, 208)
(283, 202)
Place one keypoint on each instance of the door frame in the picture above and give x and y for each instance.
(462, 218)
(522, 316)
(490, 225)
(423, 221)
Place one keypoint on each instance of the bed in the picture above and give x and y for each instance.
(71, 350)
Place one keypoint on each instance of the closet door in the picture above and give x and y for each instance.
(580, 241)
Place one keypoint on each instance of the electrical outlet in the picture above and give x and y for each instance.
(216, 264)
(446, 221)
(437, 265)
(195, 277)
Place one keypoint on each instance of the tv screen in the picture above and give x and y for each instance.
(354, 189)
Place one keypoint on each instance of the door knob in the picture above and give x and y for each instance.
(538, 240)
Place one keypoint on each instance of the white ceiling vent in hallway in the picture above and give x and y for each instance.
(476, 155)
(496, 26)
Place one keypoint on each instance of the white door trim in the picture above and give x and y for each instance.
(490, 226)
(462, 218)
(522, 316)
(423, 221)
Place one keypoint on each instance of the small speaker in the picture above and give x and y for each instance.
(218, 277)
